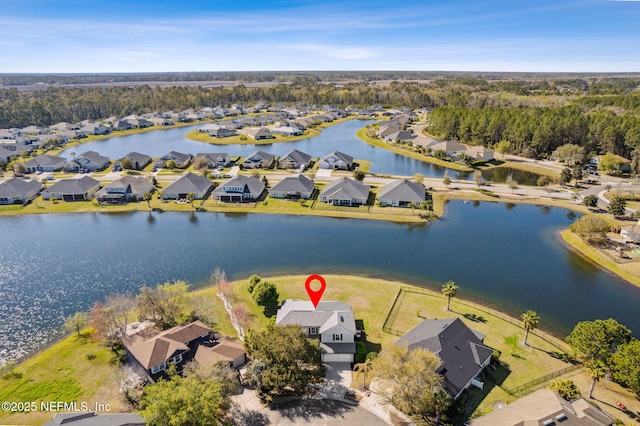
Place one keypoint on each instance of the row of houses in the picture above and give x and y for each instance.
(340, 192)
(395, 132)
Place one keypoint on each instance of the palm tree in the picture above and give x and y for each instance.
(147, 197)
(449, 289)
(190, 197)
(530, 321)
(446, 180)
(441, 401)
(596, 370)
(366, 366)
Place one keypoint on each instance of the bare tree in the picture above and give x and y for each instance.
(110, 319)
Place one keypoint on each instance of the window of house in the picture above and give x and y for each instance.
(177, 359)
(313, 330)
(337, 337)
(157, 368)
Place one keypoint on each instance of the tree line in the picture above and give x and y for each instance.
(538, 131)
(454, 93)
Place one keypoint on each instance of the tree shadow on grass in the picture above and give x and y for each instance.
(371, 346)
(475, 318)
(307, 411)
(562, 356)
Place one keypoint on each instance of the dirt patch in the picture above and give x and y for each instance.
(358, 302)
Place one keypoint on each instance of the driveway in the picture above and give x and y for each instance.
(313, 412)
(323, 173)
(337, 381)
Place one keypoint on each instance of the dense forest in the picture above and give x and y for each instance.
(535, 115)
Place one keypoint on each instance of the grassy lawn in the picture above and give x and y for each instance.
(629, 271)
(63, 372)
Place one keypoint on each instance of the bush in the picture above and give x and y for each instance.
(255, 279)
(91, 356)
(361, 352)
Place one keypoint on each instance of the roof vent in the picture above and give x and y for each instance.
(548, 422)
(561, 417)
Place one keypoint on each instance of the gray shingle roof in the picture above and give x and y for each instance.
(73, 186)
(261, 154)
(298, 183)
(94, 157)
(297, 156)
(45, 160)
(461, 351)
(403, 190)
(254, 185)
(139, 158)
(324, 316)
(189, 183)
(18, 188)
(337, 154)
(345, 186)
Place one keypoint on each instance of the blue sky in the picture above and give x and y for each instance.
(210, 35)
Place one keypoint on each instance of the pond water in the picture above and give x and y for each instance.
(341, 137)
(504, 255)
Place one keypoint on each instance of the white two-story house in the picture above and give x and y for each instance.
(333, 323)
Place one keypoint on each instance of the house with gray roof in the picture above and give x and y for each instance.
(127, 188)
(189, 183)
(92, 128)
(181, 160)
(90, 160)
(215, 159)
(400, 136)
(19, 191)
(34, 130)
(460, 349)
(451, 148)
(294, 160)
(138, 161)
(286, 131)
(345, 192)
(258, 160)
(139, 122)
(293, 187)
(63, 125)
(72, 189)
(260, 133)
(336, 160)
(120, 125)
(222, 132)
(547, 408)
(45, 163)
(402, 193)
(481, 153)
(6, 155)
(333, 323)
(238, 189)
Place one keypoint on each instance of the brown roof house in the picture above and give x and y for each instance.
(179, 345)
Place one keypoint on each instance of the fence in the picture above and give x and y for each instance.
(387, 327)
(521, 388)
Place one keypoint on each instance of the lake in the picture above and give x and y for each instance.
(340, 137)
(507, 256)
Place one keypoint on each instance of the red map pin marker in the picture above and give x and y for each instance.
(315, 295)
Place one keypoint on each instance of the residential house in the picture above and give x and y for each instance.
(19, 191)
(127, 188)
(189, 183)
(45, 163)
(72, 189)
(259, 133)
(460, 349)
(181, 160)
(92, 128)
(34, 130)
(120, 125)
(230, 124)
(545, 407)
(139, 122)
(286, 131)
(90, 160)
(151, 355)
(325, 117)
(6, 155)
(10, 133)
(293, 187)
(71, 134)
(387, 129)
(91, 418)
(451, 148)
(42, 139)
(225, 351)
(481, 153)
(424, 141)
(208, 127)
(401, 193)
(294, 160)
(215, 159)
(63, 125)
(400, 136)
(238, 189)
(161, 121)
(258, 160)
(138, 161)
(222, 132)
(333, 323)
(336, 160)
(345, 192)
